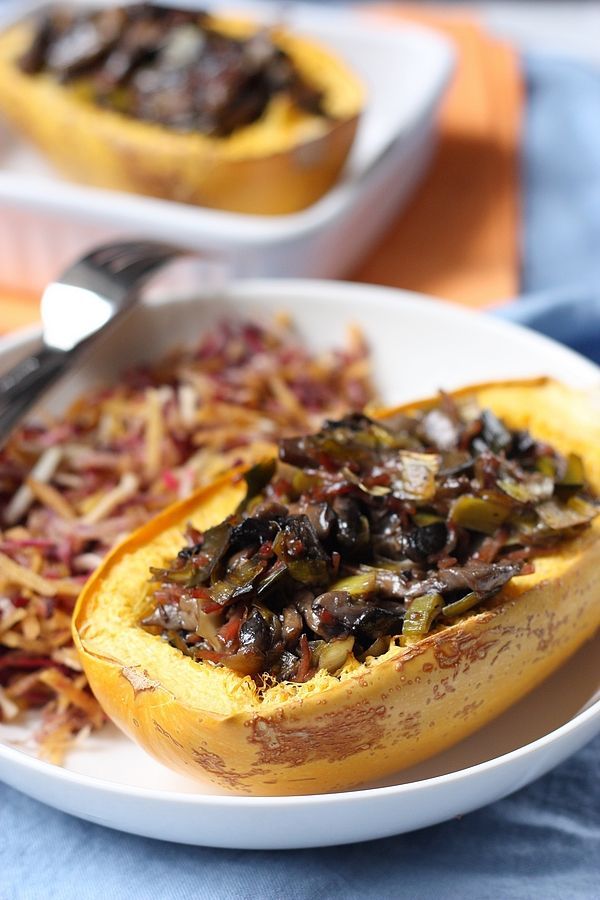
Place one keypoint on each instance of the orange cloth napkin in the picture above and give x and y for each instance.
(458, 238)
(18, 310)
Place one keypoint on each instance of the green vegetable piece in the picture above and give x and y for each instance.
(479, 514)
(383, 436)
(334, 654)
(216, 542)
(377, 490)
(535, 489)
(463, 605)
(421, 613)
(193, 572)
(583, 507)
(303, 483)
(257, 478)
(414, 475)
(277, 576)
(299, 548)
(574, 475)
(546, 466)
(357, 585)
(174, 576)
(558, 517)
(309, 571)
(237, 583)
(422, 519)
(379, 646)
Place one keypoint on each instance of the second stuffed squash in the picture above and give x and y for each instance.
(182, 105)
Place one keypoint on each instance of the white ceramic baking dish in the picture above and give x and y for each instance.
(46, 221)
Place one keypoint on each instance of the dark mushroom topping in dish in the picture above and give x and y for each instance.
(168, 66)
(364, 533)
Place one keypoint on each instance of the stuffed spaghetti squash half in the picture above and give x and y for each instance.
(379, 592)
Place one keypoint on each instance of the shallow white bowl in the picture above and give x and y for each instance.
(418, 345)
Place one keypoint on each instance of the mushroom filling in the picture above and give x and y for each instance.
(365, 532)
(167, 66)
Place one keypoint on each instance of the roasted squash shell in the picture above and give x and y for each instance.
(280, 164)
(336, 732)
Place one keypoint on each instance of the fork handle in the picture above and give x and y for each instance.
(21, 386)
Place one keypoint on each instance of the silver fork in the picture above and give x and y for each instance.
(88, 298)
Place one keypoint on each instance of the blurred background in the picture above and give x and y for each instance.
(508, 207)
(569, 28)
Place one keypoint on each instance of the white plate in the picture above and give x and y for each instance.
(419, 345)
(47, 221)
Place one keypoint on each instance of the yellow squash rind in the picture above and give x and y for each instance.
(336, 732)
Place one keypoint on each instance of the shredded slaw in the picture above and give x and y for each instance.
(72, 487)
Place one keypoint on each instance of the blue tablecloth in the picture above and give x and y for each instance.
(543, 841)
